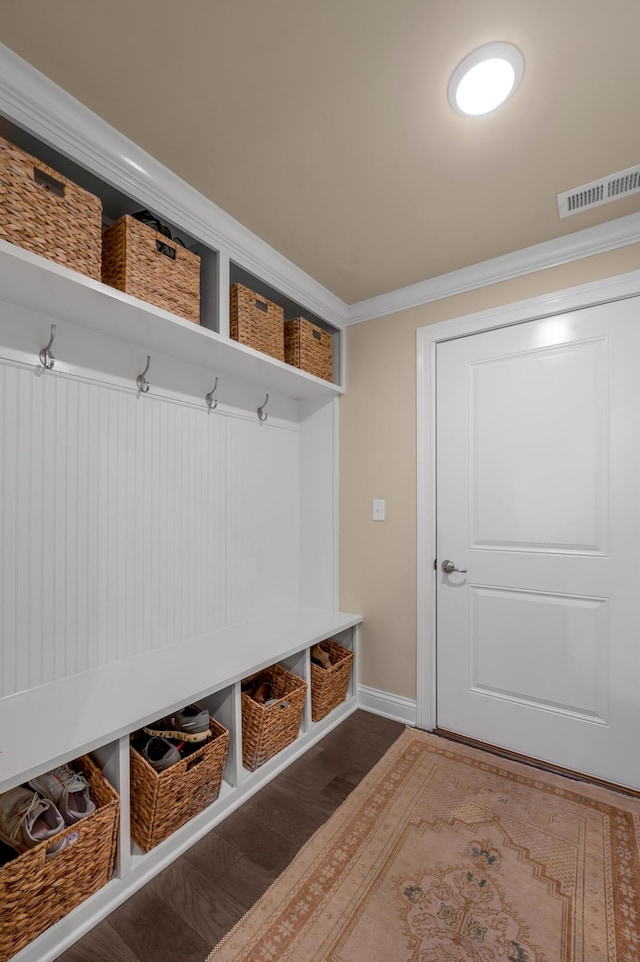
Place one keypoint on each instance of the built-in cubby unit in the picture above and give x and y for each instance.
(156, 547)
(217, 270)
(97, 711)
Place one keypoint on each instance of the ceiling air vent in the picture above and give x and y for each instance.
(599, 192)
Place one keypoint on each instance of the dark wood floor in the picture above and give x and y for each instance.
(181, 914)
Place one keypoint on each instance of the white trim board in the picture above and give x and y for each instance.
(34, 102)
(427, 339)
(388, 705)
(562, 250)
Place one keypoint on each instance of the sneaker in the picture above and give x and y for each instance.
(190, 724)
(69, 792)
(27, 819)
(160, 753)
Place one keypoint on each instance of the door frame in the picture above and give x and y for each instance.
(603, 291)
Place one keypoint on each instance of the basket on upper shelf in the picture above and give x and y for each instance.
(147, 264)
(256, 321)
(48, 214)
(308, 347)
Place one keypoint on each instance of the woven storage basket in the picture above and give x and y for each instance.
(308, 347)
(257, 322)
(329, 685)
(163, 801)
(267, 730)
(137, 260)
(45, 213)
(35, 891)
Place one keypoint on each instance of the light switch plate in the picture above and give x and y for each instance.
(378, 509)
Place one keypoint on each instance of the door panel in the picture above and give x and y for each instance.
(539, 492)
(540, 630)
(538, 642)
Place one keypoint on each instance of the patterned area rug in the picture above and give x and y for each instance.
(447, 854)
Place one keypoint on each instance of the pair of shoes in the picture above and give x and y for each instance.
(160, 752)
(190, 724)
(320, 657)
(30, 815)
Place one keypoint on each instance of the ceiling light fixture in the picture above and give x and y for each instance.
(485, 78)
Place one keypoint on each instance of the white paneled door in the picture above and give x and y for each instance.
(538, 500)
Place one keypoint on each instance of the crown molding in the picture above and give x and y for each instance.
(584, 243)
(34, 102)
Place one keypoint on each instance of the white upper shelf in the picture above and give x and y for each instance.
(44, 287)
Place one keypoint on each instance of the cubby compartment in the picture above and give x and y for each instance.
(330, 678)
(45, 883)
(163, 801)
(291, 310)
(273, 722)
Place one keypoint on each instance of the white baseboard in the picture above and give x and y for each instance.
(384, 703)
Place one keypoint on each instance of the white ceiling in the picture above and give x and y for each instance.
(324, 127)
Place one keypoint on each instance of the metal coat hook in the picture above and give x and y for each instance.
(141, 381)
(46, 357)
(261, 415)
(212, 405)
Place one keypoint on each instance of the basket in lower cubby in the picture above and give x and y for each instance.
(267, 729)
(36, 891)
(162, 802)
(329, 685)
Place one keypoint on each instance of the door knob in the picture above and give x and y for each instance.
(448, 567)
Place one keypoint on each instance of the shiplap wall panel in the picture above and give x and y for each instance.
(115, 517)
(318, 505)
(263, 519)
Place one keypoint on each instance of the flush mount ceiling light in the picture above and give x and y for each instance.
(485, 78)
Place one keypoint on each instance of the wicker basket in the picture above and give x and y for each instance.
(161, 802)
(257, 322)
(35, 891)
(45, 213)
(141, 262)
(266, 730)
(308, 347)
(329, 685)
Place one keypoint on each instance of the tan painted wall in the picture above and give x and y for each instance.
(378, 460)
